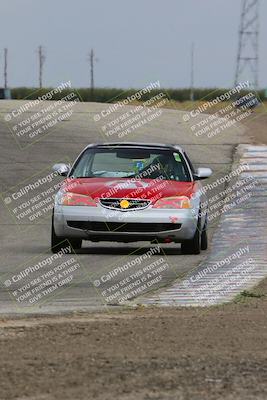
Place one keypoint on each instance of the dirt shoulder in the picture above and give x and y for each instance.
(215, 353)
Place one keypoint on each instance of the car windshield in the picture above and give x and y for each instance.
(131, 163)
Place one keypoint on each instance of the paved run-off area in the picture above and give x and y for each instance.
(25, 160)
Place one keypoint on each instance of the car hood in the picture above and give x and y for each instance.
(150, 189)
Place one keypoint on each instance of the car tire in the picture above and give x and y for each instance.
(193, 246)
(204, 237)
(59, 243)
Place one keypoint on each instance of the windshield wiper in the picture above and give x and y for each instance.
(80, 177)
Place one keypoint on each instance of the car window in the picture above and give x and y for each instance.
(189, 162)
(109, 161)
(131, 163)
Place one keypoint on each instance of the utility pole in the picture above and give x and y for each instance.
(41, 58)
(192, 94)
(247, 65)
(92, 62)
(5, 66)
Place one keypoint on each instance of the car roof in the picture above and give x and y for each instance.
(159, 146)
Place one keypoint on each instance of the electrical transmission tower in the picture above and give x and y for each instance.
(247, 66)
(41, 57)
(5, 67)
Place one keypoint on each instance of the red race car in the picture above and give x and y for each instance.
(128, 192)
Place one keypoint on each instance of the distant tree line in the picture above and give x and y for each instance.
(105, 95)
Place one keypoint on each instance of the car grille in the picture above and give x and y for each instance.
(133, 204)
(121, 227)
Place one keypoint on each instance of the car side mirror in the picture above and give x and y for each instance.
(202, 173)
(61, 169)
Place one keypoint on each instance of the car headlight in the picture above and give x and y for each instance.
(74, 199)
(173, 202)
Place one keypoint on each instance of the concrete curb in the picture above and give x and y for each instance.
(237, 261)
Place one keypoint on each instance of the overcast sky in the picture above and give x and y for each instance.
(136, 41)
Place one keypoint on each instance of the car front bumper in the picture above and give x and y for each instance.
(160, 224)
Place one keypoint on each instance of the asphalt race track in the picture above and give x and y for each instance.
(22, 159)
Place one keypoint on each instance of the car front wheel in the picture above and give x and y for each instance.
(59, 243)
(204, 237)
(193, 246)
